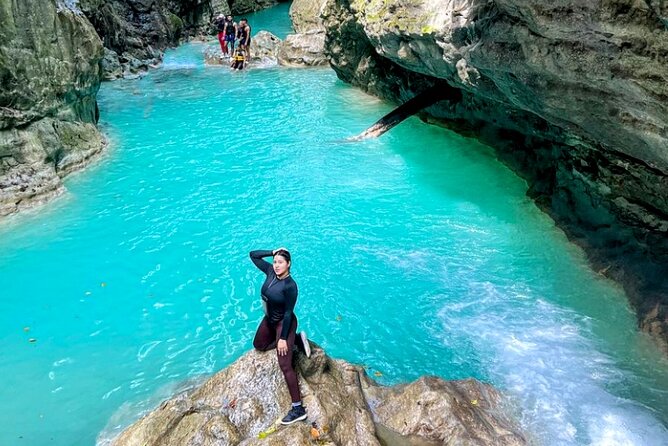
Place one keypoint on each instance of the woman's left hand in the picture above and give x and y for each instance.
(282, 347)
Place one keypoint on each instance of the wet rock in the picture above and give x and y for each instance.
(111, 65)
(239, 404)
(133, 67)
(213, 55)
(303, 49)
(264, 51)
(267, 50)
(572, 96)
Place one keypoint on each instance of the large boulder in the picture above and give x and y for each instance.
(49, 77)
(443, 412)
(241, 406)
(134, 30)
(213, 55)
(264, 48)
(306, 49)
(305, 15)
(573, 95)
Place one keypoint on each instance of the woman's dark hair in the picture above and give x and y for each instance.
(283, 253)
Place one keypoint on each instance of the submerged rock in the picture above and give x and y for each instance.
(240, 404)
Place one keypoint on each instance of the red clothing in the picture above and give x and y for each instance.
(223, 44)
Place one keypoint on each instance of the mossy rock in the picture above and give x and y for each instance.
(175, 23)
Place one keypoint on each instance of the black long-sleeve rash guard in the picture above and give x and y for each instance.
(279, 295)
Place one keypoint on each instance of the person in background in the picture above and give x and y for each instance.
(244, 37)
(238, 60)
(219, 22)
(229, 34)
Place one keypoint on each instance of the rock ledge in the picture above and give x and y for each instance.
(240, 404)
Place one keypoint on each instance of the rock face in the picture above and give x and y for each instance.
(49, 77)
(135, 32)
(573, 95)
(245, 6)
(305, 15)
(264, 47)
(303, 50)
(307, 47)
(239, 406)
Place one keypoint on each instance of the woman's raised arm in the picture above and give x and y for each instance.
(257, 257)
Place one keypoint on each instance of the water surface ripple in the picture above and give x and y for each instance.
(415, 254)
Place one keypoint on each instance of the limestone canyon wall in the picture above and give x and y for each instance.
(49, 78)
(572, 94)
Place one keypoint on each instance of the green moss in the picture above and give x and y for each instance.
(175, 22)
(404, 17)
(428, 29)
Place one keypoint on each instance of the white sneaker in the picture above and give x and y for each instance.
(307, 346)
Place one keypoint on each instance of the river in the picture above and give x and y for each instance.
(416, 253)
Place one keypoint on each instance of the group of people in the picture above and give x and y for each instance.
(231, 33)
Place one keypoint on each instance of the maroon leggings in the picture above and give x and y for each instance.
(223, 44)
(266, 338)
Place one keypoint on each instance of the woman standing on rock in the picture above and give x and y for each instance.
(278, 328)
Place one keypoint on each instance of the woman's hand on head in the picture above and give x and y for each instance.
(279, 249)
(282, 347)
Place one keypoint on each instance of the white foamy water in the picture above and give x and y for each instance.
(542, 356)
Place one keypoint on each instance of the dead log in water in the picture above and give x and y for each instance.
(423, 100)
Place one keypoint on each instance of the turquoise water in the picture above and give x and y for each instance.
(417, 253)
(276, 20)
